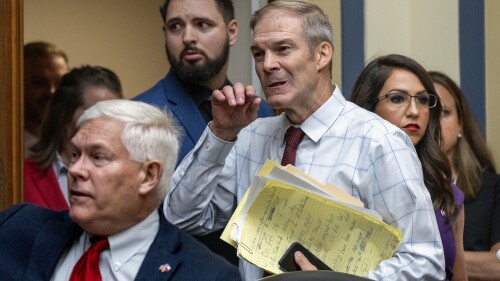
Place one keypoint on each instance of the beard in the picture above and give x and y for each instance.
(196, 73)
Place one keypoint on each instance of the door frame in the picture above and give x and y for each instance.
(11, 102)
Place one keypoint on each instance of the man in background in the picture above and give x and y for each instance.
(44, 65)
(198, 36)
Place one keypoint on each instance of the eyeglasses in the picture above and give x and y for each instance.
(423, 99)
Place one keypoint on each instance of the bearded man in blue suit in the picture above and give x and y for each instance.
(123, 157)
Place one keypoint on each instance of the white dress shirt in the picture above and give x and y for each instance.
(29, 141)
(346, 145)
(61, 172)
(127, 250)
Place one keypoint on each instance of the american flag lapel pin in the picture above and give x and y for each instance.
(165, 267)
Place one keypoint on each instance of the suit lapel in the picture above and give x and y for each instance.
(183, 107)
(160, 254)
(50, 243)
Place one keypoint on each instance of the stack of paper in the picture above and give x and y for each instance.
(284, 205)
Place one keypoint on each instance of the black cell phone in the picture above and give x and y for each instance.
(287, 262)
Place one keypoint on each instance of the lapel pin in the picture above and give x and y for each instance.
(165, 267)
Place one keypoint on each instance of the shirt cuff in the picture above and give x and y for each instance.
(213, 149)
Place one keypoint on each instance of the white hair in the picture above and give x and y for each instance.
(148, 134)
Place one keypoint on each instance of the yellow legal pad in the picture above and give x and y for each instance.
(283, 205)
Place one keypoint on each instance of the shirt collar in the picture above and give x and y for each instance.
(316, 125)
(59, 165)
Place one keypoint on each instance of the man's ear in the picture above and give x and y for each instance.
(232, 31)
(324, 53)
(152, 170)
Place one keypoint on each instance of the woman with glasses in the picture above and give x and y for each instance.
(473, 171)
(399, 90)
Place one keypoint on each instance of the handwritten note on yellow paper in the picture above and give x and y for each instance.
(346, 240)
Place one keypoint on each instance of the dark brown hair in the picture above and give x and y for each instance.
(225, 7)
(40, 49)
(437, 172)
(471, 155)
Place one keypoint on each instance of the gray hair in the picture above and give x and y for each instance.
(149, 134)
(316, 26)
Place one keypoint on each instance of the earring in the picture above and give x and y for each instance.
(459, 135)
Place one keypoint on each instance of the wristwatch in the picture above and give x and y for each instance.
(498, 254)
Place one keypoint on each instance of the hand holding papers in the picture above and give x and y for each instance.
(283, 205)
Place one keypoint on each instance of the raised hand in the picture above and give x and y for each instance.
(233, 108)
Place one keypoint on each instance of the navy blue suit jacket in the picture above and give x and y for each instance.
(33, 238)
(170, 94)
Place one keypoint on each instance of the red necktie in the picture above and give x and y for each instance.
(293, 137)
(87, 267)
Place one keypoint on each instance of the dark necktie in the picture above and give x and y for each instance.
(293, 137)
(87, 267)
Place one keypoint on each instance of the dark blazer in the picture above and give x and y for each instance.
(170, 94)
(482, 215)
(41, 187)
(33, 238)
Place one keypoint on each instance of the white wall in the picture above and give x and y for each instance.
(387, 28)
(123, 35)
(492, 30)
(426, 30)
